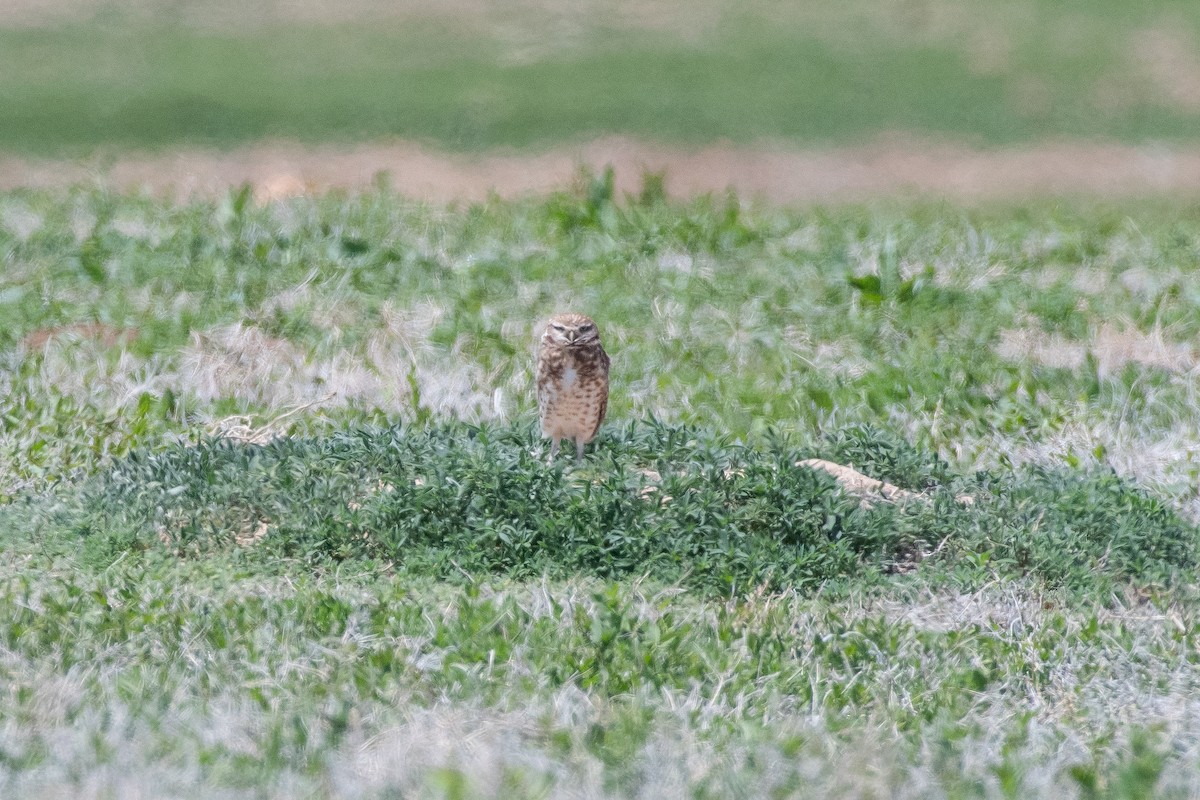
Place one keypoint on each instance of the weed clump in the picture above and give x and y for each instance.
(674, 503)
(884, 456)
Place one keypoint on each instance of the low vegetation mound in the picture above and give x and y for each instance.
(672, 503)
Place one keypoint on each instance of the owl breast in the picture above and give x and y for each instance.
(572, 392)
(572, 414)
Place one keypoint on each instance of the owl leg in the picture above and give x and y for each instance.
(553, 448)
(579, 451)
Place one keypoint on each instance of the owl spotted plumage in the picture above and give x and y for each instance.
(572, 381)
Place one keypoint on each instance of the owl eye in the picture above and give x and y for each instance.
(587, 327)
(557, 327)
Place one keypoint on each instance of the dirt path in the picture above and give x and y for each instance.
(896, 167)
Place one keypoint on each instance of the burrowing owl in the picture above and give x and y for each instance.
(572, 381)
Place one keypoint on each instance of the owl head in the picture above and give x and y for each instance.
(571, 330)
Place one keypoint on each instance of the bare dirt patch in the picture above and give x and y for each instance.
(889, 167)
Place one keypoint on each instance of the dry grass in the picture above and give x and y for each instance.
(519, 745)
(1166, 59)
(243, 363)
(1113, 347)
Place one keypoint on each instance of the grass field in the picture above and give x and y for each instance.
(277, 523)
(76, 76)
(275, 518)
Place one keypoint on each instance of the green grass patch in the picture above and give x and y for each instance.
(311, 678)
(469, 78)
(671, 504)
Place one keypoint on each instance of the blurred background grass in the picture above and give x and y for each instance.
(77, 75)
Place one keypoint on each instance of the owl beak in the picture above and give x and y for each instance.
(571, 335)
